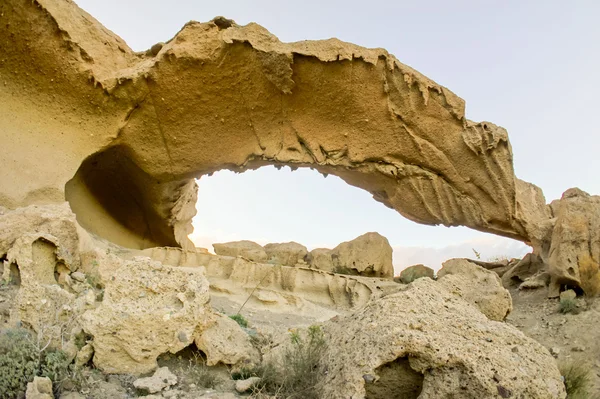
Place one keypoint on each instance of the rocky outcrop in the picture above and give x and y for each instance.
(246, 249)
(86, 117)
(439, 345)
(148, 309)
(483, 288)
(39, 388)
(368, 255)
(414, 272)
(161, 379)
(575, 238)
(286, 254)
(320, 258)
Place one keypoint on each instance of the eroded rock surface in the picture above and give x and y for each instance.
(456, 349)
(476, 285)
(286, 254)
(148, 309)
(367, 255)
(144, 124)
(246, 249)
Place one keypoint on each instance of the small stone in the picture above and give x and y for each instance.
(578, 349)
(161, 379)
(39, 388)
(496, 377)
(245, 385)
(555, 351)
(503, 392)
(78, 276)
(368, 378)
(84, 355)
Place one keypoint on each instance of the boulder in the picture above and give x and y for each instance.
(438, 346)
(246, 249)
(286, 254)
(39, 388)
(414, 272)
(529, 266)
(368, 255)
(225, 342)
(320, 258)
(161, 379)
(148, 309)
(481, 287)
(245, 385)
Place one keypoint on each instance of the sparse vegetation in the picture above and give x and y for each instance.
(241, 320)
(22, 358)
(577, 379)
(568, 305)
(301, 374)
(199, 373)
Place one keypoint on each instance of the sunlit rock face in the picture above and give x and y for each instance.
(127, 132)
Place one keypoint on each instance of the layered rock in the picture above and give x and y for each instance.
(439, 345)
(246, 249)
(476, 285)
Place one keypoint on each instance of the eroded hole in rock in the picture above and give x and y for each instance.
(47, 267)
(116, 200)
(397, 380)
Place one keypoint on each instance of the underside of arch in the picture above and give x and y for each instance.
(139, 127)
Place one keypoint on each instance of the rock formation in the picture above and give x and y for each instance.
(286, 254)
(144, 124)
(476, 285)
(367, 255)
(436, 341)
(414, 272)
(246, 249)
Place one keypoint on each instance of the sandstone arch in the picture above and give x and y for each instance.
(135, 129)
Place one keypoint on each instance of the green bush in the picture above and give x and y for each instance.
(19, 362)
(21, 359)
(577, 379)
(302, 372)
(240, 320)
(568, 305)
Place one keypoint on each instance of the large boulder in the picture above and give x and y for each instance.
(246, 249)
(320, 258)
(225, 342)
(425, 341)
(286, 254)
(148, 309)
(368, 255)
(476, 285)
(414, 272)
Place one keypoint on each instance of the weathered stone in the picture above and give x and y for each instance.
(576, 240)
(286, 254)
(225, 342)
(78, 276)
(408, 143)
(147, 308)
(454, 347)
(84, 355)
(320, 258)
(481, 287)
(414, 272)
(246, 249)
(161, 379)
(39, 388)
(245, 385)
(368, 255)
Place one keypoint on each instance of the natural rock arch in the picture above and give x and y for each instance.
(139, 127)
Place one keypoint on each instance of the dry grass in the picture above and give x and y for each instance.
(577, 379)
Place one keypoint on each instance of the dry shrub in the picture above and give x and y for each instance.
(589, 274)
(578, 380)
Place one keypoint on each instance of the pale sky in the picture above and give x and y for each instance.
(528, 66)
